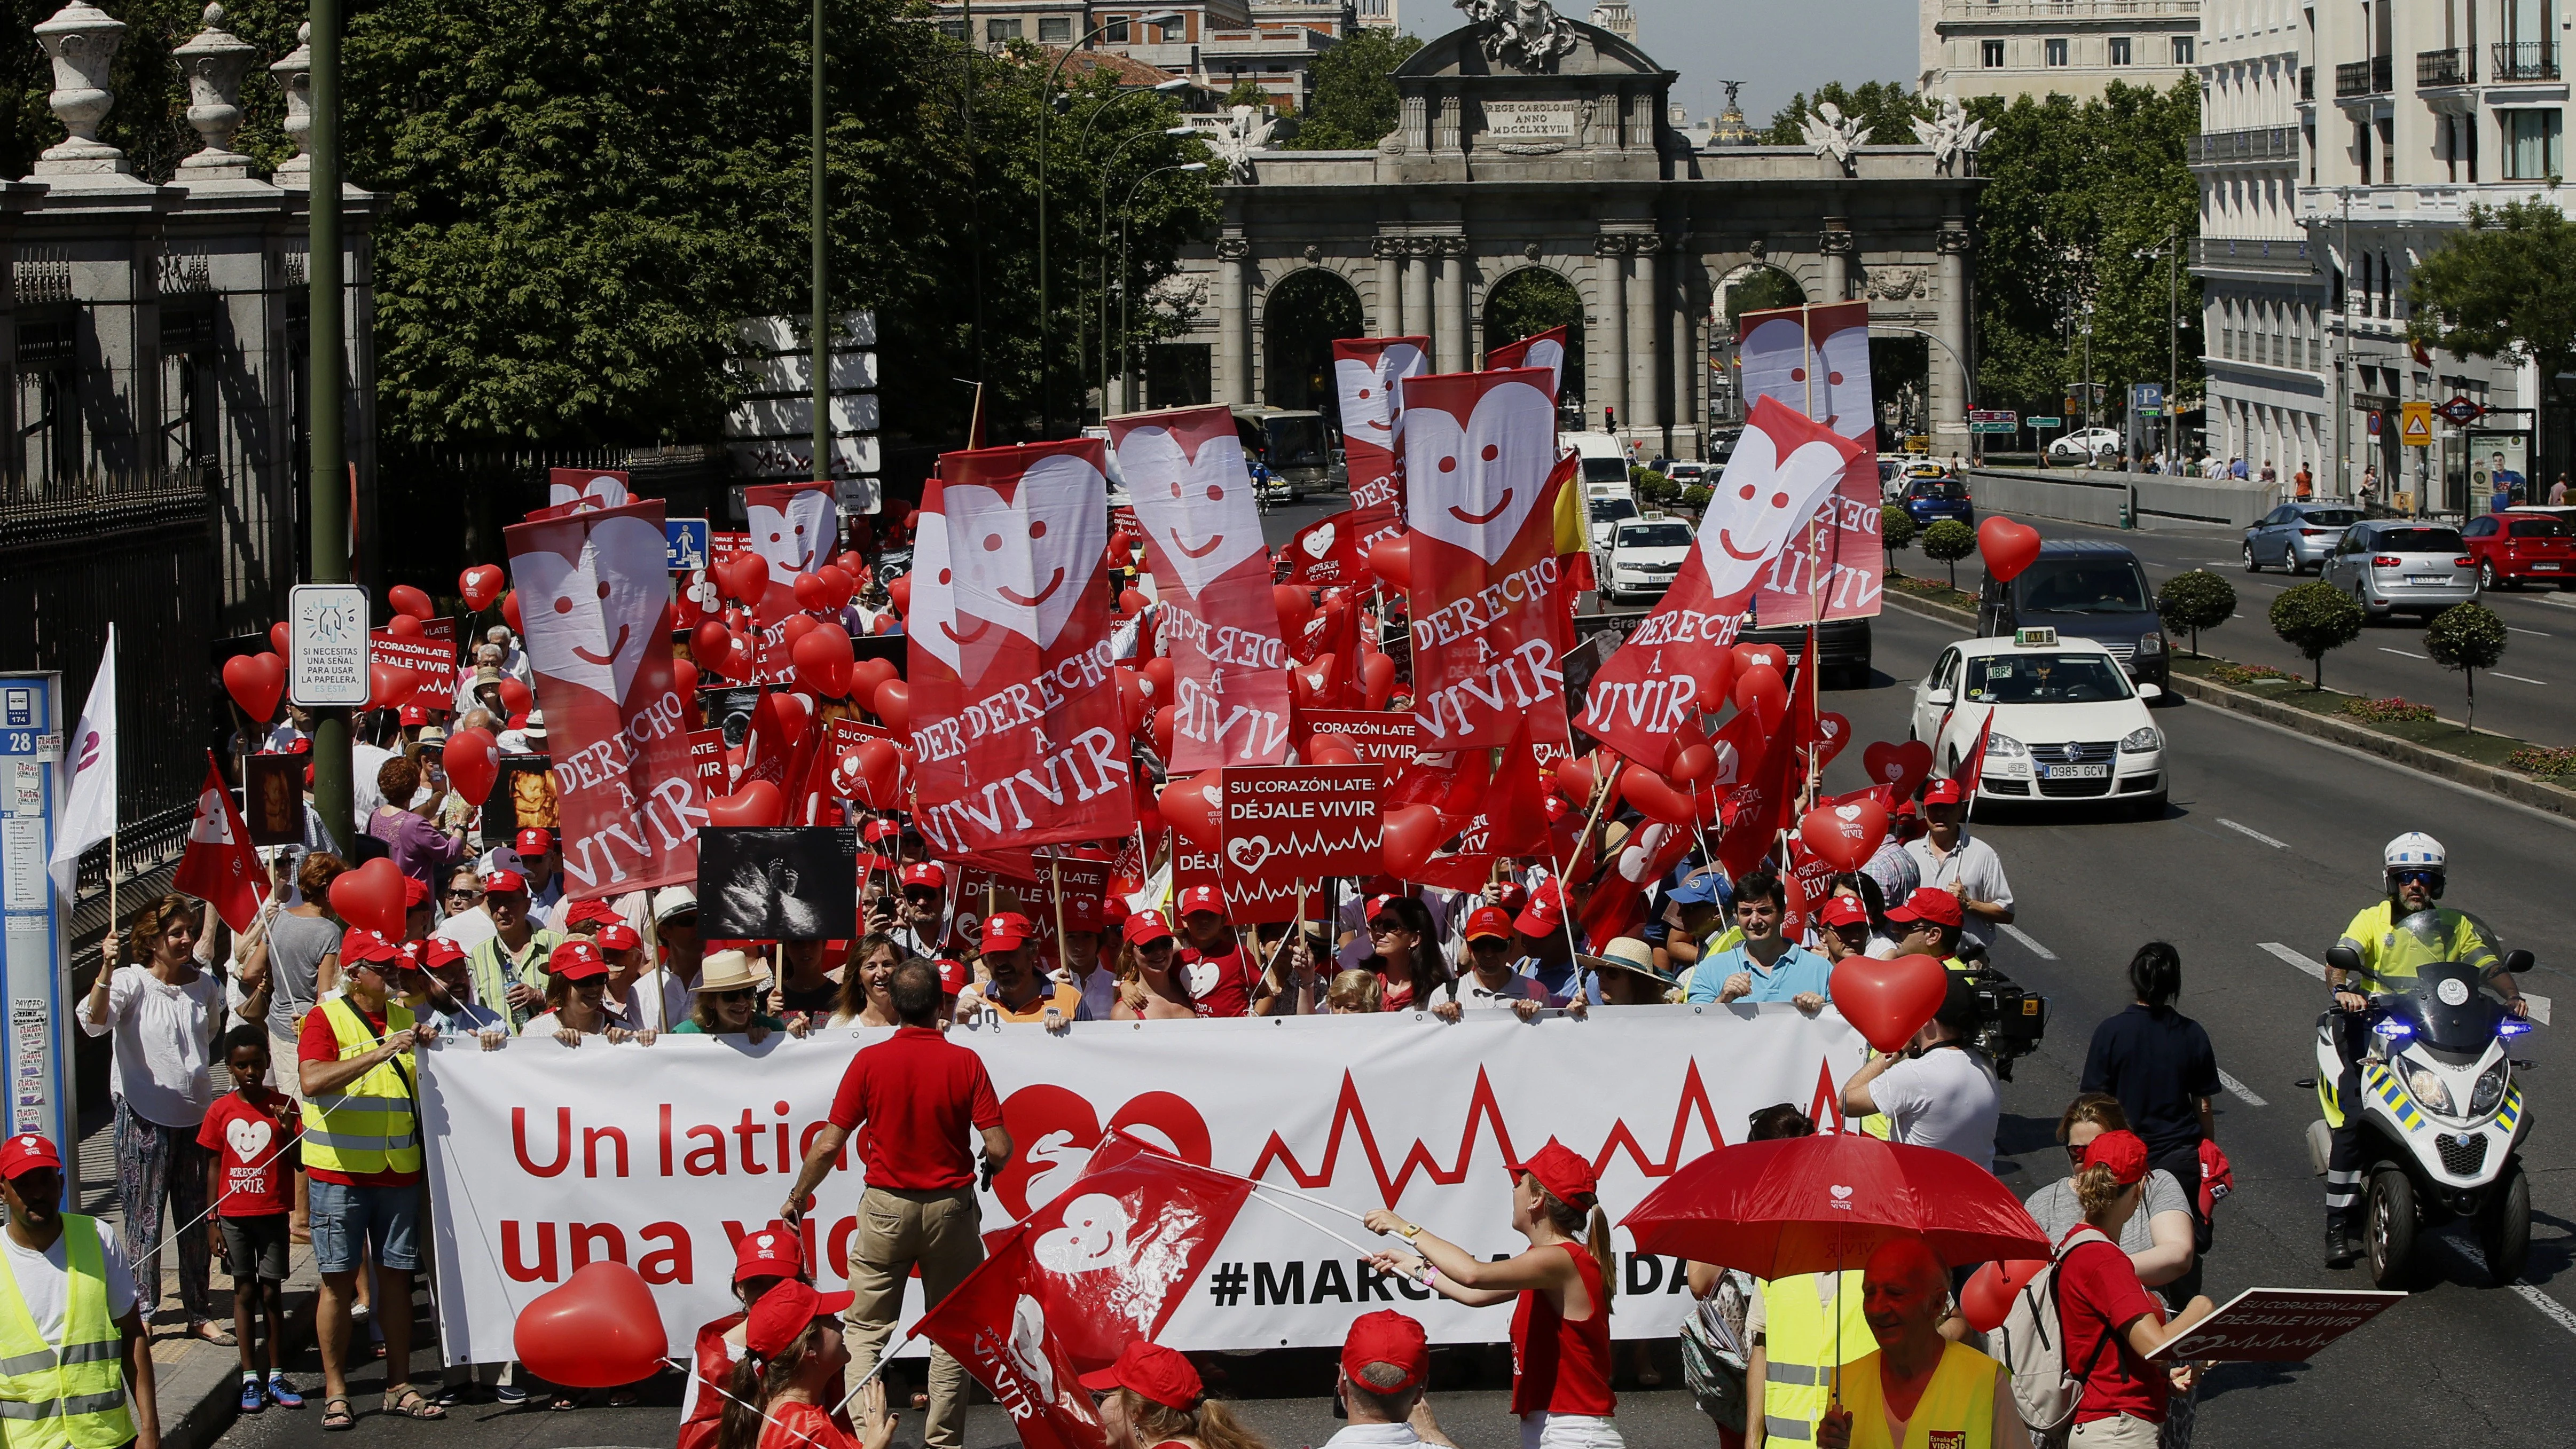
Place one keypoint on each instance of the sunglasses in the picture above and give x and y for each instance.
(2417, 877)
(461, 893)
(744, 995)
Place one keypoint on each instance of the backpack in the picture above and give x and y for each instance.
(2032, 1346)
(1713, 1353)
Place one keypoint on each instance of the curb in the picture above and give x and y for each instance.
(2507, 784)
(194, 1415)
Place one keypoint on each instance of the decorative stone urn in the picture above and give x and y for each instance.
(81, 41)
(295, 77)
(215, 60)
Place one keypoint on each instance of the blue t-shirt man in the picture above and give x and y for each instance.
(1797, 973)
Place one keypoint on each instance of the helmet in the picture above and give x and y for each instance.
(2415, 851)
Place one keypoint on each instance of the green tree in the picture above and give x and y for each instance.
(1247, 93)
(2504, 285)
(1534, 300)
(2195, 601)
(2316, 619)
(1947, 542)
(1760, 290)
(2467, 638)
(1888, 108)
(1896, 526)
(2074, 192)
(1354, 104)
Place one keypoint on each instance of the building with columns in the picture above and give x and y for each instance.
(2075, 48)
(1549, 162)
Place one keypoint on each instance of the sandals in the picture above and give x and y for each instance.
(622, 1398)
(336, 1416)
(564, 1402)
(409, 1403)
(212, 1332)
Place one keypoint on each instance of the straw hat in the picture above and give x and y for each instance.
(726, 971)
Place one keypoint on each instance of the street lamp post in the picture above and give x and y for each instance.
(1967, 379)
(1126, 217)
(2171, 255)
(1102, 235)
(821, 340)
(1046, 110)
(326, 482)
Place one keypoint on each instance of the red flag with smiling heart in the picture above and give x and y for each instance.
(1783, 468)
(1481, 475)
(1815, 360)
(1326, 553)
(591, 589)
(1543, 349)
(794, 527)
(1212, 573)
(1016, 723)
(220, 867)
(1368, 375)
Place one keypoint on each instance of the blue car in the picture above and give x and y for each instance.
(1933, 499)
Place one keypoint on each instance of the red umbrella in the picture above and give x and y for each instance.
(1820, 1204)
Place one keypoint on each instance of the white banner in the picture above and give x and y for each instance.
(544, 1157)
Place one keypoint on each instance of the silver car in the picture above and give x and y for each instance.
(2391, 566)
(2297, 536)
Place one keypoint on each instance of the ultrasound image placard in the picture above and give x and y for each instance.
(778, 883)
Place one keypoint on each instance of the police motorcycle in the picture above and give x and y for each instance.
(2442, 1118)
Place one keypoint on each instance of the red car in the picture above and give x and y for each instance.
(2515, 548)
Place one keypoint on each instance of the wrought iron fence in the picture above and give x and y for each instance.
(448, 505)
(2524, 60)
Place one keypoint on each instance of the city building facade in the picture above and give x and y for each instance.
(2075, 48)
(1220, 44)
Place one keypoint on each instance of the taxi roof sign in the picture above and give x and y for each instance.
(2035, 637)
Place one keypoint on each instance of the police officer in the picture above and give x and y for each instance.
(71, 1341)
(2379, 952)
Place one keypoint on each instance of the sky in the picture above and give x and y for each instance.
(1776, 47)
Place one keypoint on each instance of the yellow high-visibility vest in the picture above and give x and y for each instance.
(75, 1394)
(1959, 1404)
(1798, 1351)
(367, 1126)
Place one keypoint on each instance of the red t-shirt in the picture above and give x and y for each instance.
(1219, 985)
(2098, 1293)
(1560, 1365)
(802, 1426)
(317, 1044)
(714, 1373)
(919, 1093)
(258, 1153)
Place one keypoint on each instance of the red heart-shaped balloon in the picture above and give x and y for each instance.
(277, 639)
(407, 600)
(390, 686)
(1159, 728)
(1296, 606)
(1130, 602)
(750, 578)
(515, 697)
(1575, 780)
(1748, 655)
(1190, 804)
(838, 583)
(473, 764)
(371, 897)
(1888, 1001)
(480, 585)
(1654, 796)
(510, 612)
(822, 656)
(1391, 559)
(684, 678)
(1988, 1299)
(868, 676)
(1901, 766)
(1332, 750)
(255, 681)
(812, 593)
(900, 591)
(1761, 692)
(599, 1330)
(1132, 704)
(1406, 837)
(757, 803)
(710, 642)
(880, 774)
(1158, 672)
(1717, 682)
(1377, 680)
(893, 703)
(1833, 732)
(403, 626)
(2007, 547)
(1844, 836)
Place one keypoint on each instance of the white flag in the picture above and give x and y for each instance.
(89, 806)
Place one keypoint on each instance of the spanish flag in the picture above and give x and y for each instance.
(1573, 530)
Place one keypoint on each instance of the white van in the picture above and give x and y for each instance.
(1605, 464)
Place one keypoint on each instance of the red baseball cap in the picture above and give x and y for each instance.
(1005, 930)
(880, 830)
(576, 960)
(26, 1152)
(1544, 915)
(1843, 911)
(1147, 926)
(439, 951)
(1944, 792)
(1082, 913)
(504, 883)
(1387, 1338)
(2125, 1153)
(590, 912)
(359, 944)
(1377, 906)
(1202, 898)
(1153, 1373)
(1928, 904)
(533, 841)
(952, 975)
(1489, 923)
(925, 873)
(415, 893)
(785, 1312)
(1568, 1178)
(768, 1255)
(413, 714)
(618, 936)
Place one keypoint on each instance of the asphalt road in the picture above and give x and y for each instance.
(2270, 844)
(2531, 694)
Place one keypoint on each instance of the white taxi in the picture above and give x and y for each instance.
(2068, 725)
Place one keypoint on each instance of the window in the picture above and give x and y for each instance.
(2056, 52)
(2119, 50)
(996, 31)
(2532, 141)
(2182, 50)
(1056, 30)
(1115, 32)
(1992, 53)
(953, 29)
(2387, 150)
(1175, 30)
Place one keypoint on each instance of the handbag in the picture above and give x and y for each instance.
(1713, 1351)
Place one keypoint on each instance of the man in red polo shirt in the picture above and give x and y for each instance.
(918, 1094)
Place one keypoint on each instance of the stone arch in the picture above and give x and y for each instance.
(1301, 315)
(1756, 285)
(1531, 297)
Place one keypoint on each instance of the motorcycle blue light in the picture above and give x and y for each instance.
(2513, 1028)
(2394, 1029)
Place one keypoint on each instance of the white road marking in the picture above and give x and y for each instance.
(2557, 603)
(2033, 947)
(2251, 832)
(2241, 1091)
(2535, 633)
(2518, 679)
(2559, 1313)
(2316, 969)
(2539, 1007)
(2384, 649)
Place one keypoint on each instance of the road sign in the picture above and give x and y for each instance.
(1991, 415)
(2147, 399)
(2006, 429)
(2459, 412)
(684, 543)
(2415, 426)
(326, 645)
(2043, 422)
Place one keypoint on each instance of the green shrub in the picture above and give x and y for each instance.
(1947, 542)
(2468, 638)
(1896, 526)
(2316, 619)
(2395, 709)
(1652, 487)
(2549, 762)
(1695, 497)
(2244, 674)
(2195, 601)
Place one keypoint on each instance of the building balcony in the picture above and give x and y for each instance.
(2372, 77)
(2276, 255)
(2454, 67)
(2261, 143)
(2128, 10)
(2523, 60)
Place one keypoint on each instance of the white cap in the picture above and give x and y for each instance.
(671, 901)
(2415, 851)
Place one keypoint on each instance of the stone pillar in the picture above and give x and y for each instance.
(1234, 320)
(1839, 247)
(1648, 336)
(295, 77)
(1947, 398)
(1417, 287)
(214, 61)
(1687, 362)
(1610, 264)
(81, 41)
(1389, 321)
(1454, 356)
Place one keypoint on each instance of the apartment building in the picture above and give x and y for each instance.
(2263, 293)
(1218, 43)
(2065, 47)
(2413, 113)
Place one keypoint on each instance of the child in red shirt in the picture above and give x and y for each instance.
(251, 1133)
